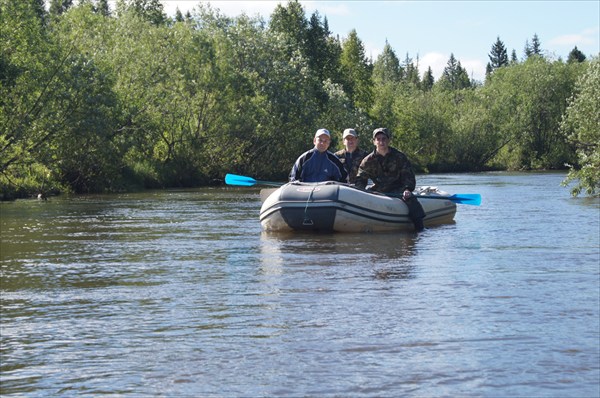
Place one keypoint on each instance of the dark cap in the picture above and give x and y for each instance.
(382, 130)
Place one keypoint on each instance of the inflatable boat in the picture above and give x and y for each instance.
(337, 207)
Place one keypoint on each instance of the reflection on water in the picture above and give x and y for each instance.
(388, 254)
(179, 293)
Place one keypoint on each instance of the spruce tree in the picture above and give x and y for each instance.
(40, 10)
(178, 15)
(387, 66)
(575, 56)
(316, 46)
(291, 23)
(411, 71)
(59, 7)
(356, 71)
(498, 56)
(102, 8)
(454, 76)
(428, 80)
(528, 50)
(536, 46)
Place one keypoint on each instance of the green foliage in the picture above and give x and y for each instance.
(341, 114)
(149, 10)
(581, 126)
(59, 7)
(323, 50)
(529, 100)
(291, 25)
(410, 72)
(356, 72)
(94, 101)
(31, 99)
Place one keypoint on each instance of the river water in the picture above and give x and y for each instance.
(180, 294)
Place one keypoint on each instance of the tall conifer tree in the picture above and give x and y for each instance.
(454, 77)
(536, 45)
(498, 55)
(513, 57)
(387, 66)
(576, 56)
(291, 23)
(59, 7)
(102, 8)
(428, 80)
(356, 71)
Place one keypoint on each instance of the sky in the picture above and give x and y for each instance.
(430, 31)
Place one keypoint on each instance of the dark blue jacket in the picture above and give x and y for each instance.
(314, 166)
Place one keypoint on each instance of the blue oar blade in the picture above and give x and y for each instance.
(467, 198)
(462, 198)
(232, 179)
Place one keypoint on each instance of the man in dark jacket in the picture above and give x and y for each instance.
(318, 164)
(391, 172)
(351, 155)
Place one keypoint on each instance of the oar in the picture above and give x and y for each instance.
(243, 181)
(462, 198)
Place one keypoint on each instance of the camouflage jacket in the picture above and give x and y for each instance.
(390, 173)
(351, 162)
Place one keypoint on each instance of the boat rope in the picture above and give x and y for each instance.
(306, 220)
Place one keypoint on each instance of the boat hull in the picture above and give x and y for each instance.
(338, 207)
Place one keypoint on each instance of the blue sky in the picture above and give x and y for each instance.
(432, 30)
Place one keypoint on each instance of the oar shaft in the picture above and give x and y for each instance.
(462, 198)
(473, 199)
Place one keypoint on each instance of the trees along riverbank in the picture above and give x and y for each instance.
(99, 100)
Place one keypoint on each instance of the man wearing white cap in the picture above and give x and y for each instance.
(351, 155)
(318, 164)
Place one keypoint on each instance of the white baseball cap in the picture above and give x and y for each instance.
(321, 132)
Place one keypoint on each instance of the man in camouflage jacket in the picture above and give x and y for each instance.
(391, 172)
(351, 155)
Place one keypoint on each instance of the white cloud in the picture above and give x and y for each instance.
(475, 68)
(372, 50)
(326, 8)
(436, 61)
(251, 8)
(586, 37)
(228, 8)
(264, 8)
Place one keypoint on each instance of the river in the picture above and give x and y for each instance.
(178, 293)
